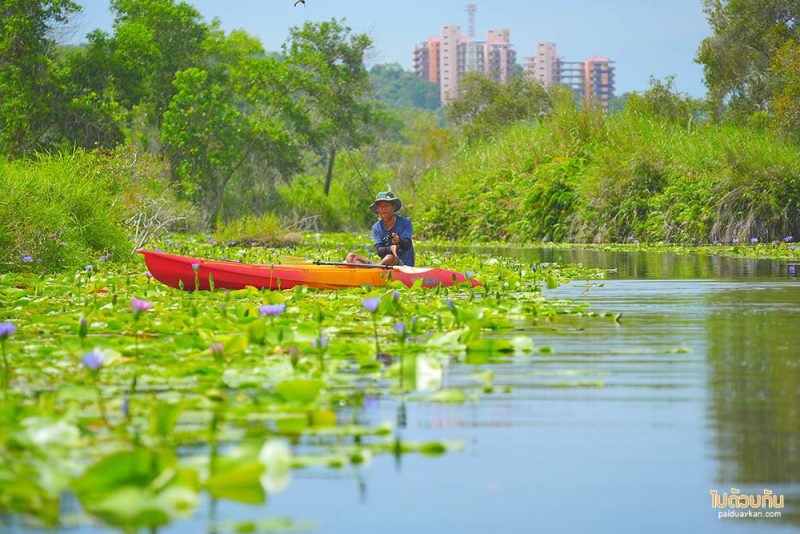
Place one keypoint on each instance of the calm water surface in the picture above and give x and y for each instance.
(622, 428)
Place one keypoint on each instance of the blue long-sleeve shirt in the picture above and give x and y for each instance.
(382, 237)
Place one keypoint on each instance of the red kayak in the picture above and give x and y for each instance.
(179, 272)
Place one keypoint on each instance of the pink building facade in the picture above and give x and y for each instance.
(445, 59)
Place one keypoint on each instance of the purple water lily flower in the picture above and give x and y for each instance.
(139, 306)
(449, 304)
(735, 240)
(396, 295)
(54, 236)
(787, 239)
(400, 328)
(89, 267)
(124, 407)
(754, 240)
(195, 267)
(271, 309)
(148, 274)
(104, 257)
(7, 330)
(93, 360)
(371, 304)
(321, 342)
(39, 260)
(217, 350)
(27, 259)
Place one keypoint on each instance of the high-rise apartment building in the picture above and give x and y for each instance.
(445, 59)
(599, 75)
(450, 66)
(543, 67)
(590, 80)
(426, 60)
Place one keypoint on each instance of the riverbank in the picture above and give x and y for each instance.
(785, 249)
(577, 175)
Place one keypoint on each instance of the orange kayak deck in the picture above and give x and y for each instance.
(179, 272)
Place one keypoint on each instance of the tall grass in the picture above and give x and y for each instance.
(57, 213)
(581, 176)
(71, 210)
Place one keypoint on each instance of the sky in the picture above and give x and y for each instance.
(644, 37)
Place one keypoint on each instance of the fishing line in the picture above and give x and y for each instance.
(352, 161)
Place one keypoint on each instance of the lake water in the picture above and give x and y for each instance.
(623, 427)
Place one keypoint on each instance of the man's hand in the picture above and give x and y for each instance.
(393, 248)
(395, 239)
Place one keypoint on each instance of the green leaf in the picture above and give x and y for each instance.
(299, 390)
(490, 345)
(163, 417)
(454, 396)
(433, 448)
(241, 484)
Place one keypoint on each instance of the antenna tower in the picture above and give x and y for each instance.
(471, 8)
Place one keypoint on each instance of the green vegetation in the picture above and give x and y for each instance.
(650, 173)
(245, 134)
(750, 61)
(141, 400)
(64, 211)
(264, 230)
(400, 89)
(483, 106)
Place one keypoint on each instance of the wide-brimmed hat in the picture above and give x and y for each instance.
(387, 196)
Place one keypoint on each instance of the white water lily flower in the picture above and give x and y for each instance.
(45, 432)
(430, 372)
(276, 457)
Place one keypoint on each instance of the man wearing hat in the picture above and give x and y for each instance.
(391, 234)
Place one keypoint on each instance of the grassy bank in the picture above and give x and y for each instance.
(584, 177)
(72, 210)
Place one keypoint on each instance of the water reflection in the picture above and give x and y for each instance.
(754, 354)
(646, 264)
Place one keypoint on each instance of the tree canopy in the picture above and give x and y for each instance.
(745, 59)
(483, 105)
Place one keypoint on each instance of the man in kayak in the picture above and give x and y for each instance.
(391, 234)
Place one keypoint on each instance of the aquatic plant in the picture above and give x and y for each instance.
(199, 402)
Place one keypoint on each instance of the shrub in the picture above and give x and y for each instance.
(68, 210)
(58, 214)
(265, 229)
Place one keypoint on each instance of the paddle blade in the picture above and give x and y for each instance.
(293, 260)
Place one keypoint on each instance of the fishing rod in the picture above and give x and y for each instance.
(352, 161)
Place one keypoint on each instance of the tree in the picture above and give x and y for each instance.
(482, 105)
(736, 59)
(663, 101)
(233, 121)
(329, 62)
(135, 65)
(28, 73)
(400, 89)
(786, 64)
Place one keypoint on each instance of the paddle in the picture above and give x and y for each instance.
(294, 260)
(289, 260)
